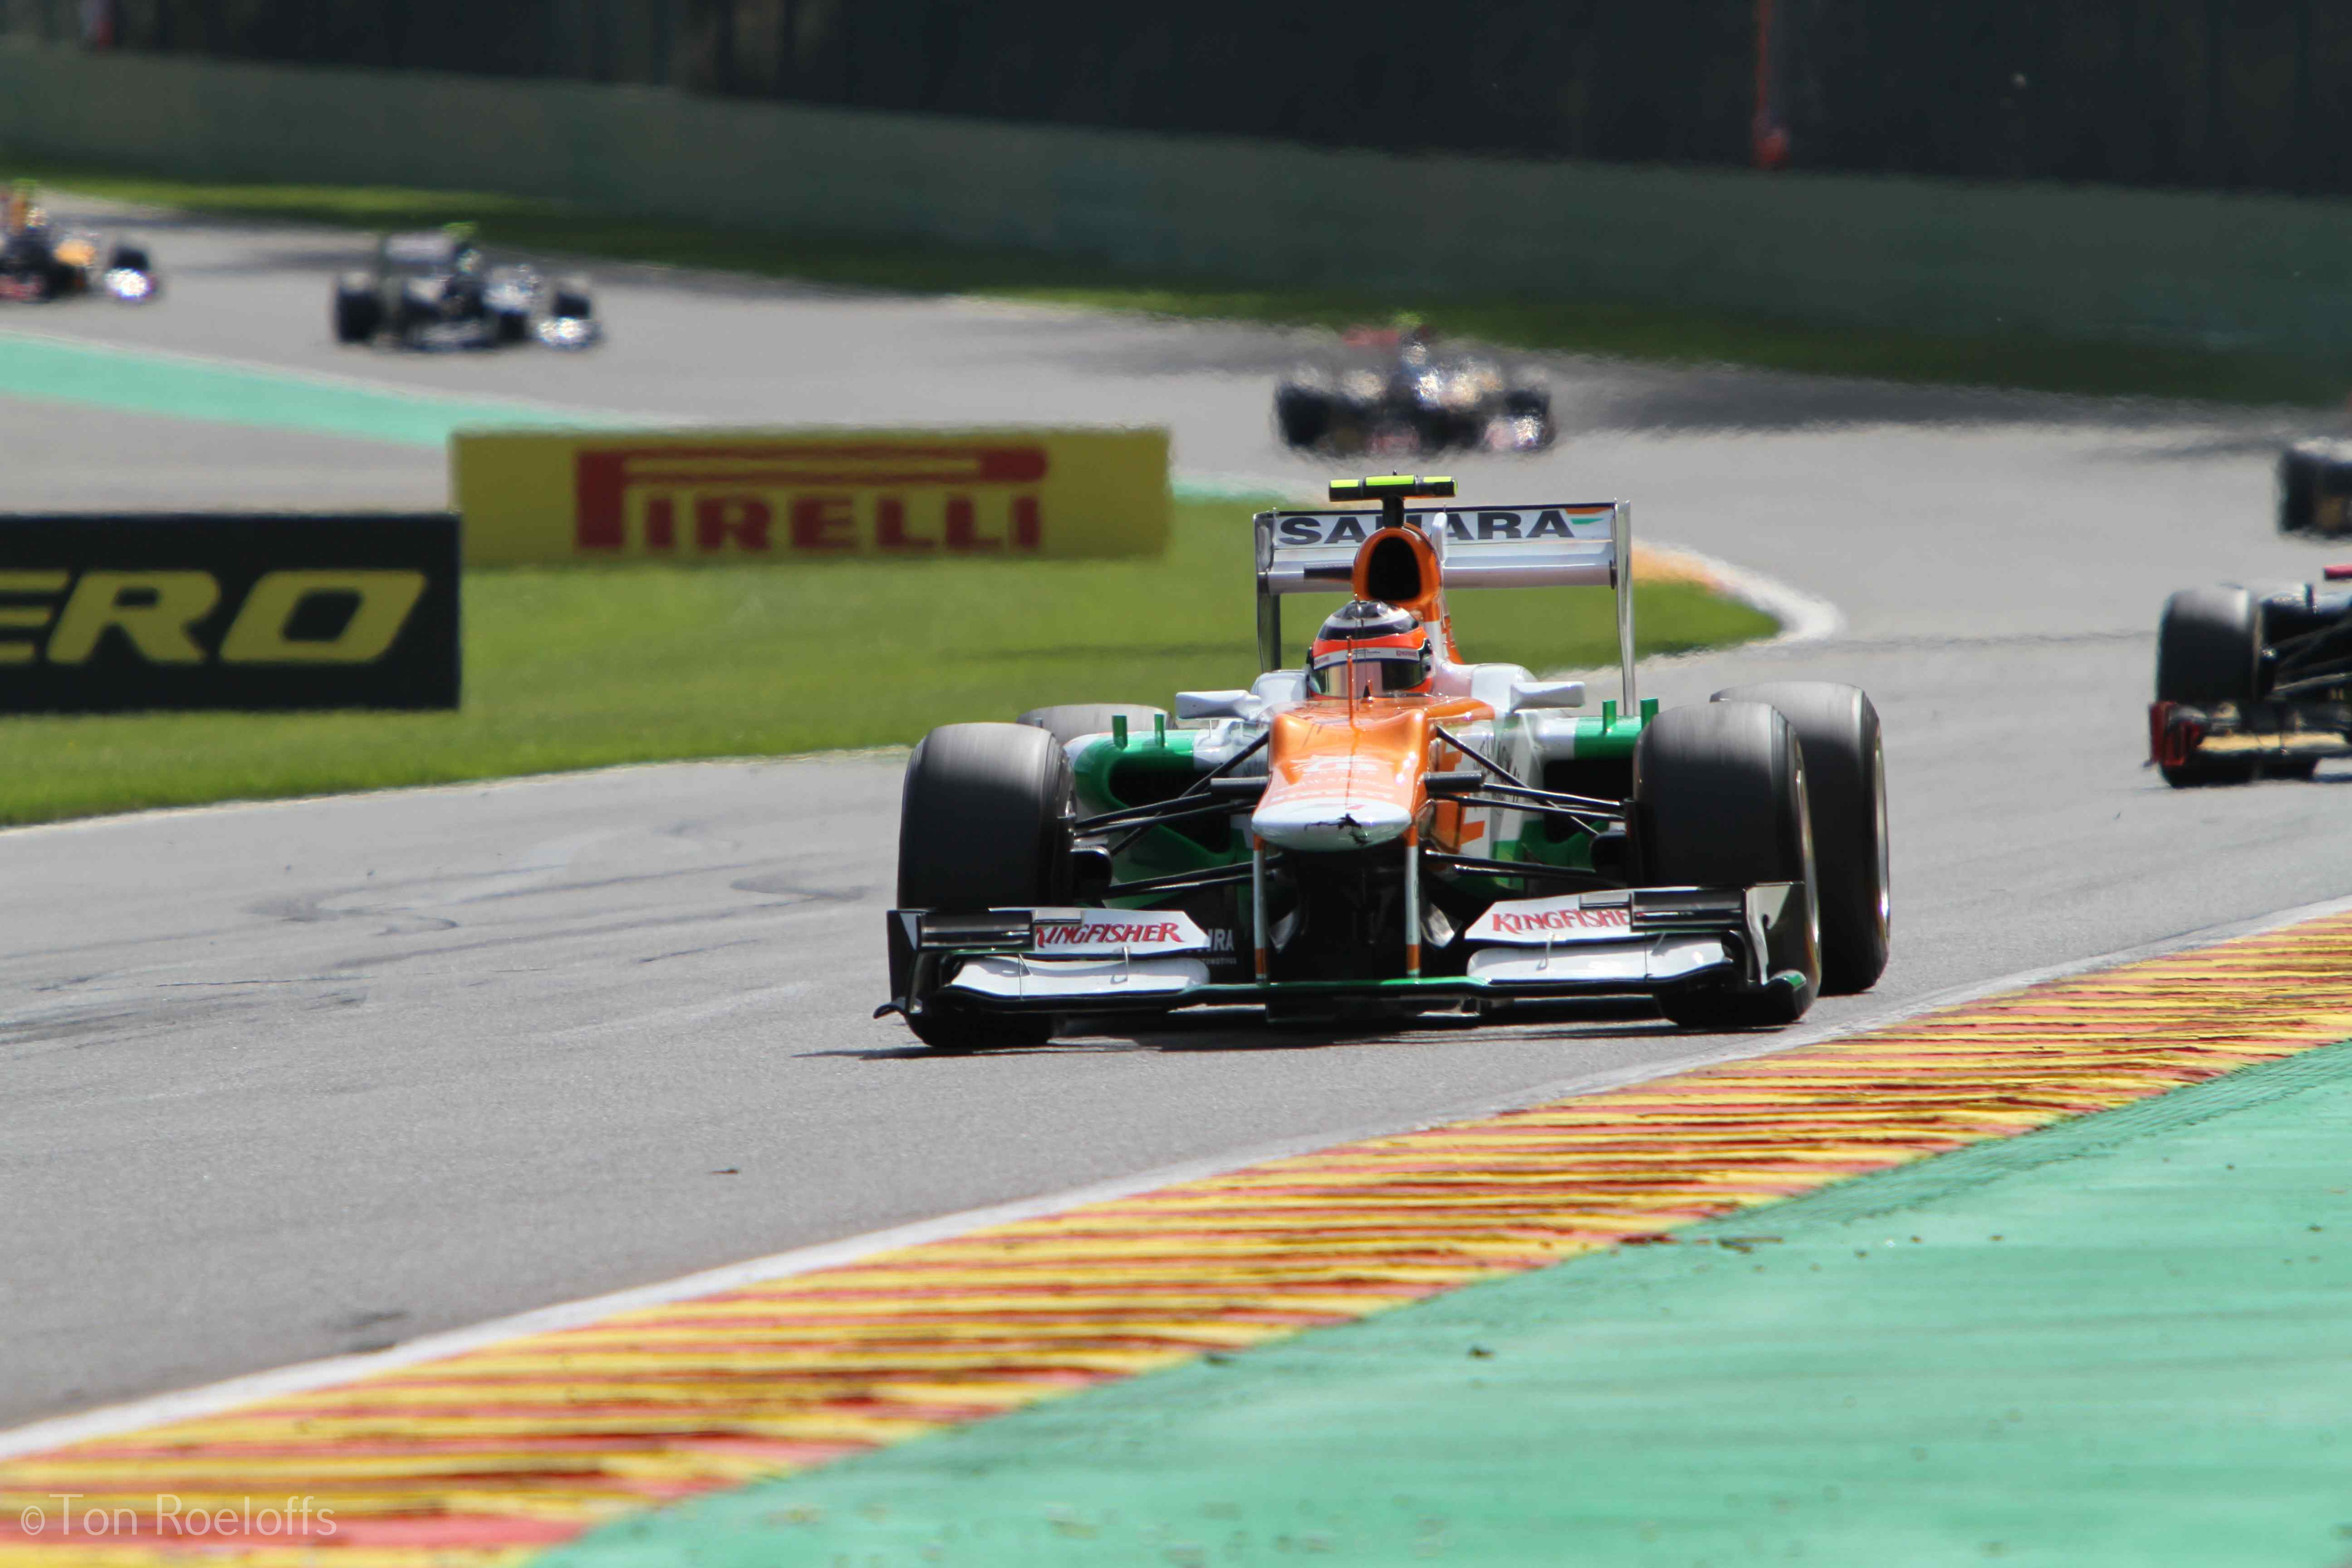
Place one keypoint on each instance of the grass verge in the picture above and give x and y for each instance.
(568, 668)
(1588, 326)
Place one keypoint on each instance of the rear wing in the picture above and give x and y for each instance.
(1586, 544)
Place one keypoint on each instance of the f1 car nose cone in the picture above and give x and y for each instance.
(1328, 824)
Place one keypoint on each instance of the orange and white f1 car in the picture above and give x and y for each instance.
(1387, 829)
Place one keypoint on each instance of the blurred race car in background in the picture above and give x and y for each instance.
(40, 261)
(2314, 481)
(1387, 829)
(1393, 392)
(2252, 684)
(434, 290)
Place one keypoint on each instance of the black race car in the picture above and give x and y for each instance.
(435, 291)
(40, 262)
(2252, 684)
(1392, 390)
(2314, 481)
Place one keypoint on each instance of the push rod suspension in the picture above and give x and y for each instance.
(1479, 757)
(1179, 881)
(1197, 785)
(1523, 870)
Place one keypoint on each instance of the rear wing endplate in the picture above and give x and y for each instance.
(1586, 544)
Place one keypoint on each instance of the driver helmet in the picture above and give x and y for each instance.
(1389, 647)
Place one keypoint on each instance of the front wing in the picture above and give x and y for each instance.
(2182, 733)
(1640, 940)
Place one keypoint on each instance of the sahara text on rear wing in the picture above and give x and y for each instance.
(1560, 544)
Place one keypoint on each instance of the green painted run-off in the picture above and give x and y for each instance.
(2121, 1341)
(179, 386)
(182, 387)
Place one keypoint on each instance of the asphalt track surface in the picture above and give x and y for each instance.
(295, 1079)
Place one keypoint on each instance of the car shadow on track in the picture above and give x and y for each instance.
(1240, 1029)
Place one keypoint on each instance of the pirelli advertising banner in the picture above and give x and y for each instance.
(733, 496)
(109, 614)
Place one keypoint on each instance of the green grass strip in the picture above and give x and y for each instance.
(570, 667)
(2117, 1341)
(1617, 328)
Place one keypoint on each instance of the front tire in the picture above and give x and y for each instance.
(1302, 415)
(1846, 790)
(2209, 652)
(1719, 801)
(359, 314)
(983, 824)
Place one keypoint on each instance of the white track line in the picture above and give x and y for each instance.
(214, 1398)
(1803, 616)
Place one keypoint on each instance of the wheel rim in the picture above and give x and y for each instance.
(1805, 861)
(1885, 852)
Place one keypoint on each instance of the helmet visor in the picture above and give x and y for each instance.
(1379, 670)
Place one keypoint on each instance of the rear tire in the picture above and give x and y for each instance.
(1070, 720)
(1719, 801)
(1845, 789)
(983, 825)
(2209, 652)
(359, 315)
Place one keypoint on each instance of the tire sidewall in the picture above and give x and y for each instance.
(1845, 770)
(1719, 800)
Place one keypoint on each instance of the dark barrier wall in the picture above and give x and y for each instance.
(103, 613)
(2216, 93)
(1948, 257)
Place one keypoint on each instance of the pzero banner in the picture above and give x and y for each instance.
(118, 612)
(806, 496)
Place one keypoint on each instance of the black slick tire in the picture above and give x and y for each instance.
(1719, 801)
(1069, 720)
(983, 825)
(2209, 652)
(1302, 415)
(359, 314)
(1845, 791)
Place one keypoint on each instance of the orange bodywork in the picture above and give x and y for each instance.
(1399, 566)
(1344, 773)
(1327, 758)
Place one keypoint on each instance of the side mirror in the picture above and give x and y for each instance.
(1218, 705)
(1547, 694)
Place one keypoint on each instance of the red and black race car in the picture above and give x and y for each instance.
(40, 262)
(2252, 684)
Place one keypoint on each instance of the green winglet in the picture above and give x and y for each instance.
(1380, 487)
